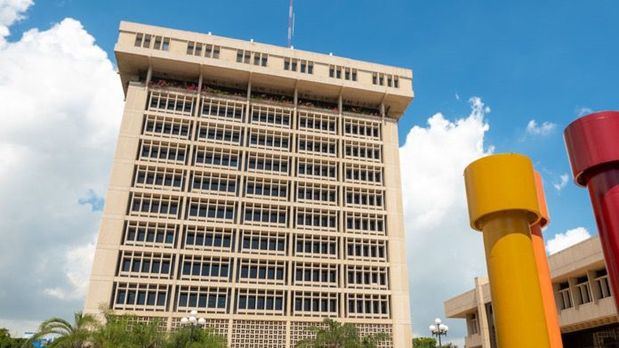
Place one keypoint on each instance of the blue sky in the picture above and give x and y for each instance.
(528, 60)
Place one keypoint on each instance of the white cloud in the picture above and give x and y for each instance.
(545, 128)
(444, 254)
(563, 180)
(562, 241)
(583, 111)
(11, 11)
(61, 108)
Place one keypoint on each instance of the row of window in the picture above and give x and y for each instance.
(583, 290)
(129, 296)
(173, 179)
(391, 80)
(213, 268)
(159, 42)
(245, 56)
(339, 72)
(203, 50)
(261, 59)
(304, 66)
(234, 110)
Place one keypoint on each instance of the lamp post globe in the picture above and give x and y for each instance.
(438, 329)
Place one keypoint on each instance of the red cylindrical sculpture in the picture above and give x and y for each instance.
(593, 146)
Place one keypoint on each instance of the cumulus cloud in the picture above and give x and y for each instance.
(444, 254)
(11, 11)
(562, 241)
(563, 179)
(543, 129)
(61, 107)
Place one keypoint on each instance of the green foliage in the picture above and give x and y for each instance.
(337, 335)
(189, 337)
(119, 331)
(424, 342)
(6, 341)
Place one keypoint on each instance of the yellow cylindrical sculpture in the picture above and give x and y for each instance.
(502, 202)
(543, 271)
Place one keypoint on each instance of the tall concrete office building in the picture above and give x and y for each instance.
(256, 184)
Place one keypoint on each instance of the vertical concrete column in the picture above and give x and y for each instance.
(592, 143)
(502, 203)
(116, 200)
(400, 306)
(482, 316)
(543, 270)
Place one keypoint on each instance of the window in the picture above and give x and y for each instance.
(366, 249)
(271, 115)
(211, 51)
(203, 299)
(260, 59)
(364, 151)
(361, 173)
(263, 242)
(158, 178)
(565, 297)
(261, 271)
(365, 223)
(210, 209)
(260, 301)
(266, 188)
(220, 133)
(583, 291)
(200, 237)
(317, 122)
(164, 126)
(268, 163)
(145, 265)
(223, 109)
(216, 157)
(195, 48)
(138, 39)
(154, 205)
(315, 304)
(364, 198)
(171, 102)
(316, 219)
(316, 193)
(313, 245)
(214, 183)
(359, 128)
(264, 214)
(601, 284)
(367, 277)
(317, 145)
(316, 168)
(270, 140)
(368, 306)
(206, 268)
(146, 42)
(129, 296)
(150, 234)
(315, 274)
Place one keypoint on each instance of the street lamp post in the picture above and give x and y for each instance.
(193, 321)
(438, 329)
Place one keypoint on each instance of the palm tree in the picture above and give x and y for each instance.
(67, 335)
(336, 335)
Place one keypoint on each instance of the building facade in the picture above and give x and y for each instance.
(256, 184)
(585, 304)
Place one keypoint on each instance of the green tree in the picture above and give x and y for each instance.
(195, 337)
(6, 341)
(424, 342)
(67, 335)
(337, 335)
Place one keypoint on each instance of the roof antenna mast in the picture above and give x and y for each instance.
(290, 24)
